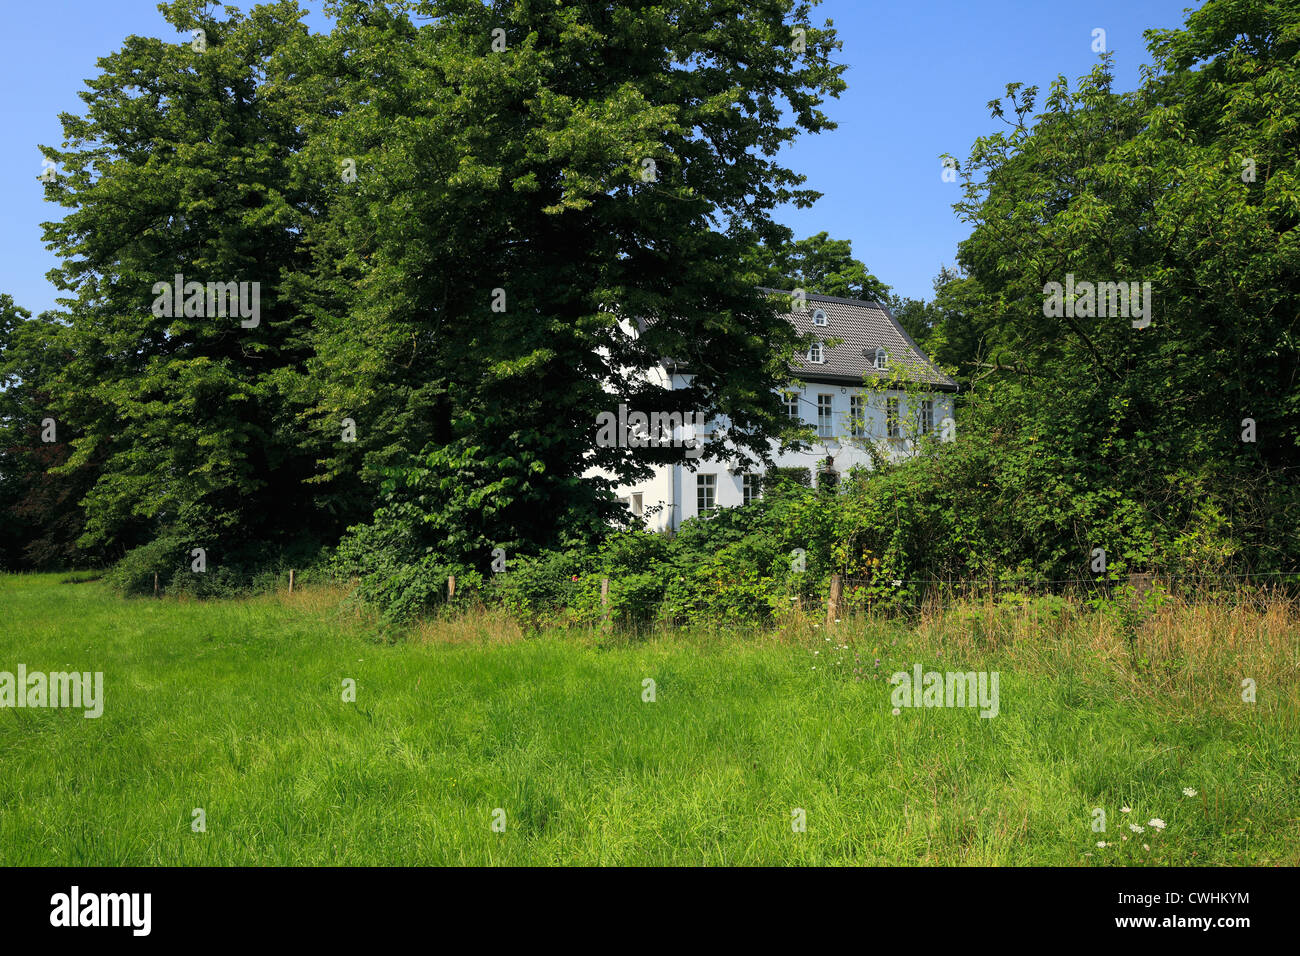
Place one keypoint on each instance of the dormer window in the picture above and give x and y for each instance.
(816, 354)
(819, 317)
(882, 358)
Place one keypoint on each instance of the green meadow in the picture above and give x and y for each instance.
(236, 707)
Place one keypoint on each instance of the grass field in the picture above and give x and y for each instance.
(236, 707)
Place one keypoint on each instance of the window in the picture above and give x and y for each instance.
(638, 507)
(825, 424)
(816, 355)
(927, 416)
(882, 358)
(792, 405)
(891, 417)
(706, 487)
(750, 489)
(819, 317)
(857, 416)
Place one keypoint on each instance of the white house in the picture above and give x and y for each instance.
(828, 392)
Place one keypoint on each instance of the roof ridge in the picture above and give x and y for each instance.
(818, 297)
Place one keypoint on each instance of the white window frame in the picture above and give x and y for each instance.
(926, 413)
(751, 488)
(857, 416)
(825, 416)
(792, 406)
(882, 358)
(706, 490)
(893, 417)
(819, 317)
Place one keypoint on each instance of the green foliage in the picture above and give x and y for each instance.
(227, 572)
(993, 504)
(774, 477)
(990, 506)
(465, 299)
(956, 328)
(735, 566)
(458, 298)
(1190, 183)
(183, 164)
(819, 265)
(537, 590)
(168, 557)
(40, 513)
(393, 570)
(513, 206)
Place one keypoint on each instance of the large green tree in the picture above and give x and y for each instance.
(40, 515)
(817, 264)
(184, 163)
(1189, 424)
(551, 199)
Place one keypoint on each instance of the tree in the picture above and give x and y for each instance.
(955, 328)
(551, 199)
(184, 165)
(817, 264)
(40, 518)
(1189, 184)
(470, 229)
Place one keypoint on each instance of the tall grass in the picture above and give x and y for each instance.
(236, 707)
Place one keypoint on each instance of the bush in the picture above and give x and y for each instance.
(537, 590)
(227, 573)
(992, 505)
(164, 556)
(394, 574)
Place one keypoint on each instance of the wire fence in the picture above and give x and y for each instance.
(870, 590)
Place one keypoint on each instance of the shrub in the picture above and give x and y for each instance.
(535, 590)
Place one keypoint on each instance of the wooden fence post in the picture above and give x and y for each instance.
(451, 586)
(291, 580)
(604, 600)
(833, 605)
(1141, 584)
(155, 584)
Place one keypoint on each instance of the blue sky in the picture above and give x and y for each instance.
(920, 74)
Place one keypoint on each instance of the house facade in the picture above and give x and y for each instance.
(856, 342)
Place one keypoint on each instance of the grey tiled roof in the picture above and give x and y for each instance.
(861, 327)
